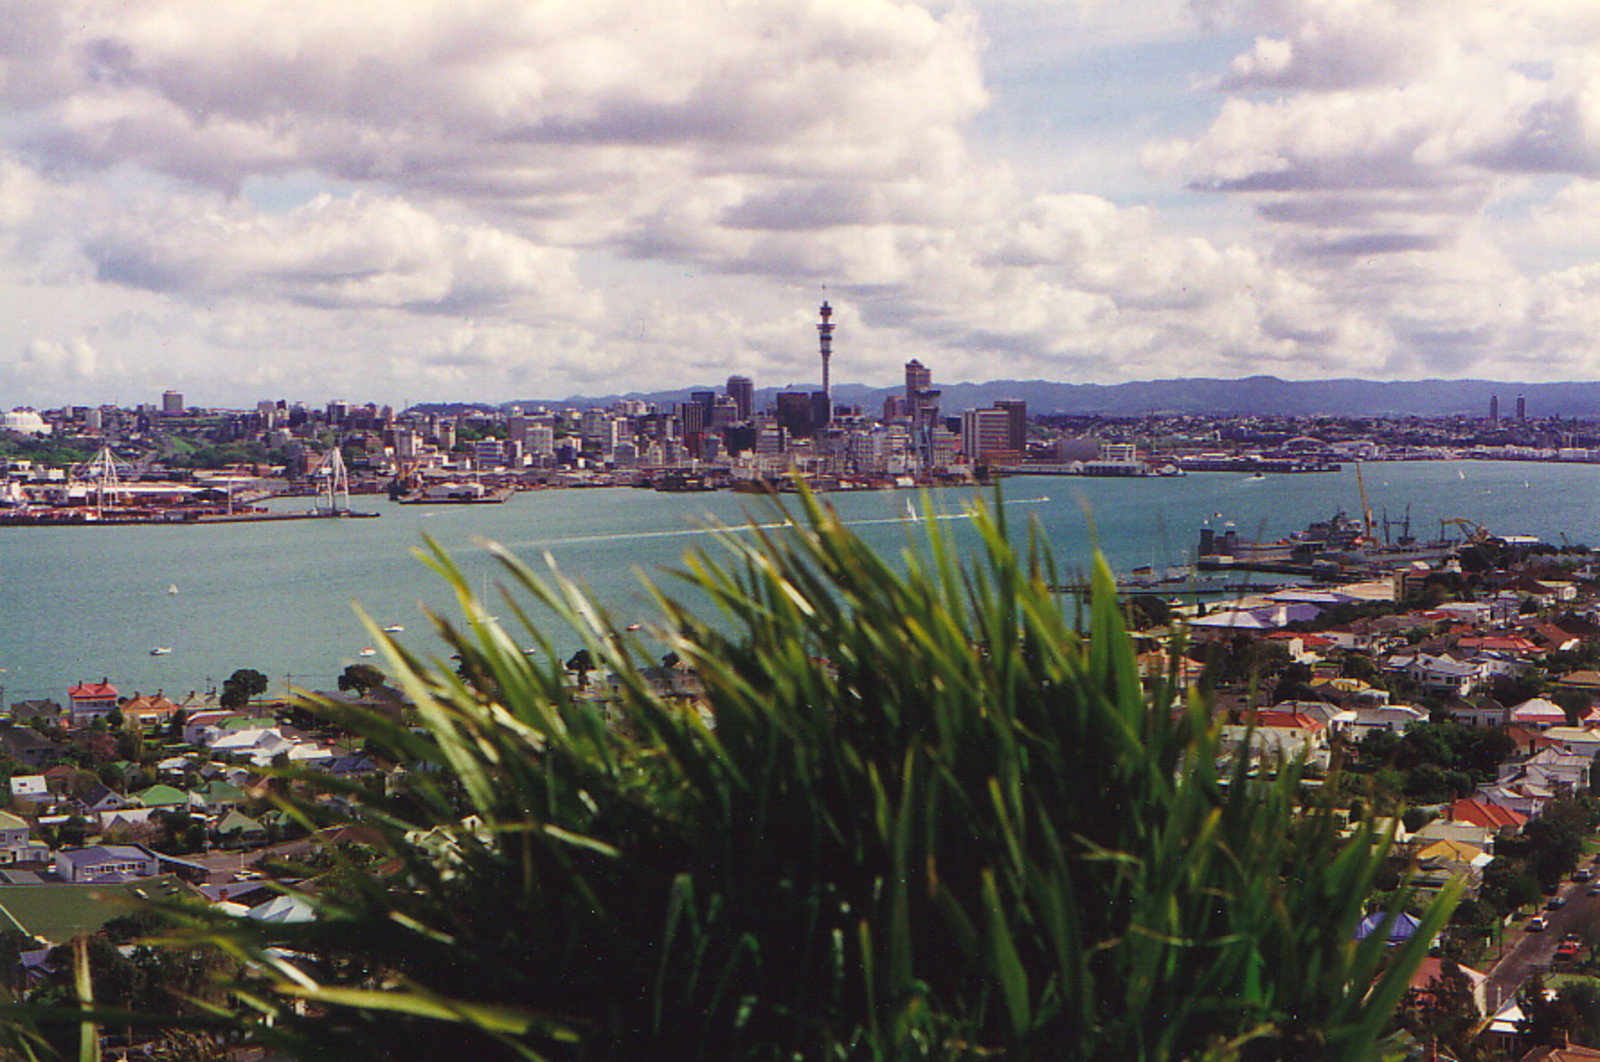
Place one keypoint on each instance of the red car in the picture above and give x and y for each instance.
(1567, 952)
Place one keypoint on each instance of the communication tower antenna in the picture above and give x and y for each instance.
(825, 337)
(333, 488)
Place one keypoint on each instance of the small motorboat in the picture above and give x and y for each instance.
(161, 650)
(368, 651)
(635, 627)
(393, 628)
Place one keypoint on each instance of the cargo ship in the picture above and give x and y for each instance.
(1336, 546)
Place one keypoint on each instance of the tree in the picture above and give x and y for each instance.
(73, 832)
(974, 834)
(1574, 703)
(241, 687)
(581, 663)
(361, 678)
(1146, 611)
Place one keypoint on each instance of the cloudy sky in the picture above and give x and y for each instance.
(494, 199)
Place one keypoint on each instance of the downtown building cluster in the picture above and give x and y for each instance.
(717, 436)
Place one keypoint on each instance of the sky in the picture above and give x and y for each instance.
(487, 200)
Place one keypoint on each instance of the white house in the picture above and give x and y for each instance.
(1395, 718)
(1444, 675)
(30, 789)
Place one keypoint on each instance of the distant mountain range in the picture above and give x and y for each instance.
(1253, 395)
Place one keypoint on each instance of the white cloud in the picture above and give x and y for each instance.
(540, 197)
(361, 251)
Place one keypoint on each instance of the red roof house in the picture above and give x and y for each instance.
(88, 700)
(1491, 816)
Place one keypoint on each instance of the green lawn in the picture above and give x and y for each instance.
(57, 913)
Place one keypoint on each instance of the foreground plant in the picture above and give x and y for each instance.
(933, 818)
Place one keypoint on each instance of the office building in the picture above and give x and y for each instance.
(743, 392)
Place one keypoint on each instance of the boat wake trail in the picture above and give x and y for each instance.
(627, 536)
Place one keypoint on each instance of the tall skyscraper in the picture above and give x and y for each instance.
(922, 406)
(743, 392)
(918, 380)
(172, 404)
(1522, 409)
(1494, 408)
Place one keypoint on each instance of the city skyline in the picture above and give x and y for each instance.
(421, 202)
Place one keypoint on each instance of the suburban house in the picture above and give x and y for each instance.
(147, 712)
(45, 710)
(110, 862)
(1439, 863)
(26, 745)
(1478, 711)
(1550, 768)
(1585, 680)
(1480, 837)
(1443, 675)
(1527, 798)
(163, 798)
(1538, 713)
(1395, 718)
(1575, 739)
(1280, 738)
(101, 798)
(13, 837)
(88, 701)
(1483, 813)
(30, 789)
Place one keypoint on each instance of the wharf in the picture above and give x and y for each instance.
(162, 518)
(1322, 573)
(1206, 589)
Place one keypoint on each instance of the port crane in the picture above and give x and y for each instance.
(103, 473)
(1366, 506)
(333, 489)
(1471, 530)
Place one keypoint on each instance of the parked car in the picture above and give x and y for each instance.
(1594, 890)
(1583, 874)
(1555, 903)
(1567, 952)
(1537, 924)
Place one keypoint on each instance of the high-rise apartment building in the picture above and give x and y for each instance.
(172, 404)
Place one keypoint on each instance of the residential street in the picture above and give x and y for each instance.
(1531, 953)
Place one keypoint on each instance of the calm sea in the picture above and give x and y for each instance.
(90, 603)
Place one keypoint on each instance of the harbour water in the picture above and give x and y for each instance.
(86, 603)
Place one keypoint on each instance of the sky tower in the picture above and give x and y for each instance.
(825, 336)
